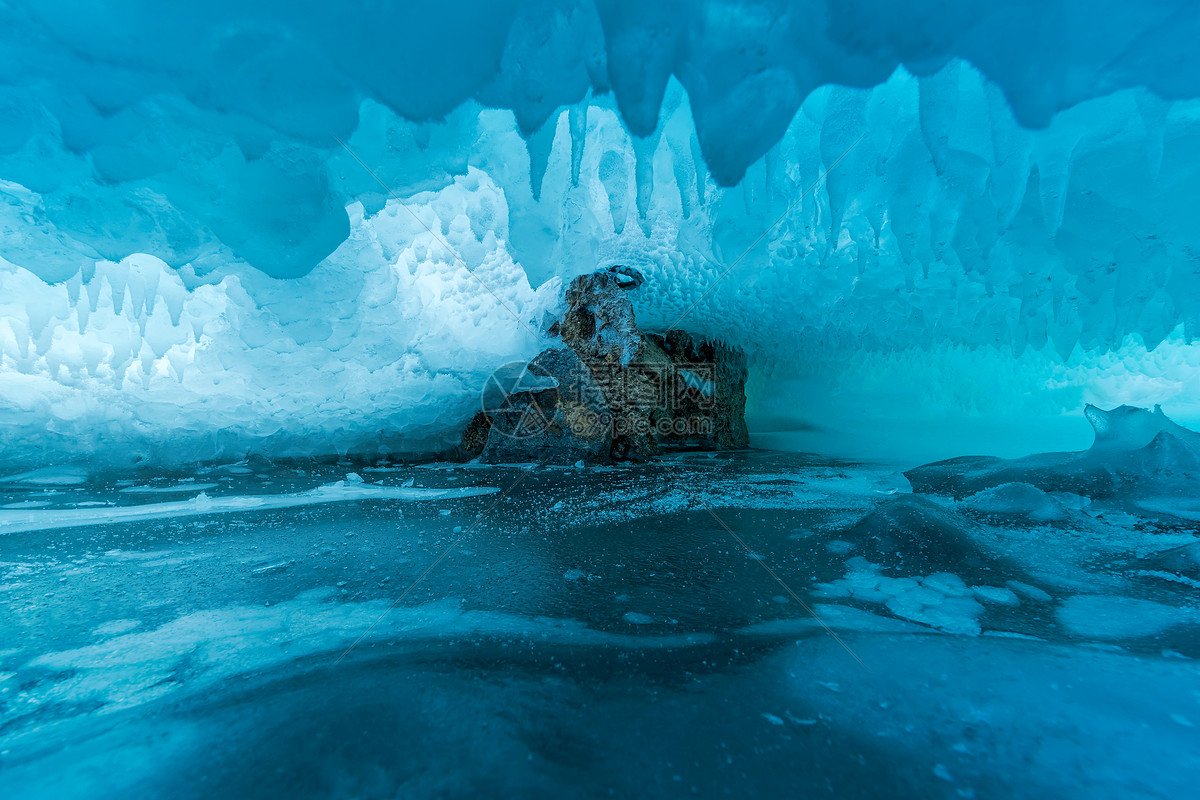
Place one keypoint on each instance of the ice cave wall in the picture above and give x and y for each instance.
(194, 265)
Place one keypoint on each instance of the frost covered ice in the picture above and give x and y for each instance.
(597, 632)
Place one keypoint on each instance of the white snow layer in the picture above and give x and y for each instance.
(193, 266)
(380, 348)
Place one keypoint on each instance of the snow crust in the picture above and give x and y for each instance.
(905, 215)
(379, 349)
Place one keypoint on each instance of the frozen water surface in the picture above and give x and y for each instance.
(750, 625)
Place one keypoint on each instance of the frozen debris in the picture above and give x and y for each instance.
(996, 595)
(180, 488)
(940, 600)
(1113, 617)
(1016, 499)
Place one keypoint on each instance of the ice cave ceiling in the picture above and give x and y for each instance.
(225, 225)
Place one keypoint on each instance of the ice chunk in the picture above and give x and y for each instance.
(1136, 452)
(1111, 617)
(1016, 499)
(997, 595)
(1127, 428)
(940, 600)
(176, 489)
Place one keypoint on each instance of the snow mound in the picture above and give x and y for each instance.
(381, 348)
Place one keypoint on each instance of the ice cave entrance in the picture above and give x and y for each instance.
(595, 398)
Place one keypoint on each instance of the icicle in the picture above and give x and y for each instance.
(38, 314)
(178, 360)
(644, 150)
(146, 362)
(148, 275)
(93, 285)
(685, 179)
(44, 341)
(73, 285)
(614, 175)
(938, 108)
(20, 332)
(701, 170)
(135, 288)
(1054, 176)
(120, 359)
(539, 145)
(577, 124)
(117, 275)
(93, 356)
(52, 362)
(173, 295)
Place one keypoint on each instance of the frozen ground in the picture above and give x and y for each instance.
(639, 631)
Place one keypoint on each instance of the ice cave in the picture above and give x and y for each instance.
(599, 398)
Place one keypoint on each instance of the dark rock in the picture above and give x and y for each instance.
(627, 277)
(709, 386)
(598, 323)
(475, 437)
(560, 425)
(648, 391)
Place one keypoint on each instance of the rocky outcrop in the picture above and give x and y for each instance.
(725, 406)
(619, 394)
(561, 424)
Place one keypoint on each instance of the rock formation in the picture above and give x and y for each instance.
(612, 393)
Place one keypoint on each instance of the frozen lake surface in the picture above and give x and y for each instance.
(742, 625)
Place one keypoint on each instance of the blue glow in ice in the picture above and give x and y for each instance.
(1010, 192)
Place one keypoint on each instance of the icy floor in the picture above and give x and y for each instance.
(597, 632)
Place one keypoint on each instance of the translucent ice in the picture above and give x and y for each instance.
(1136, 452)
(979, 218)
